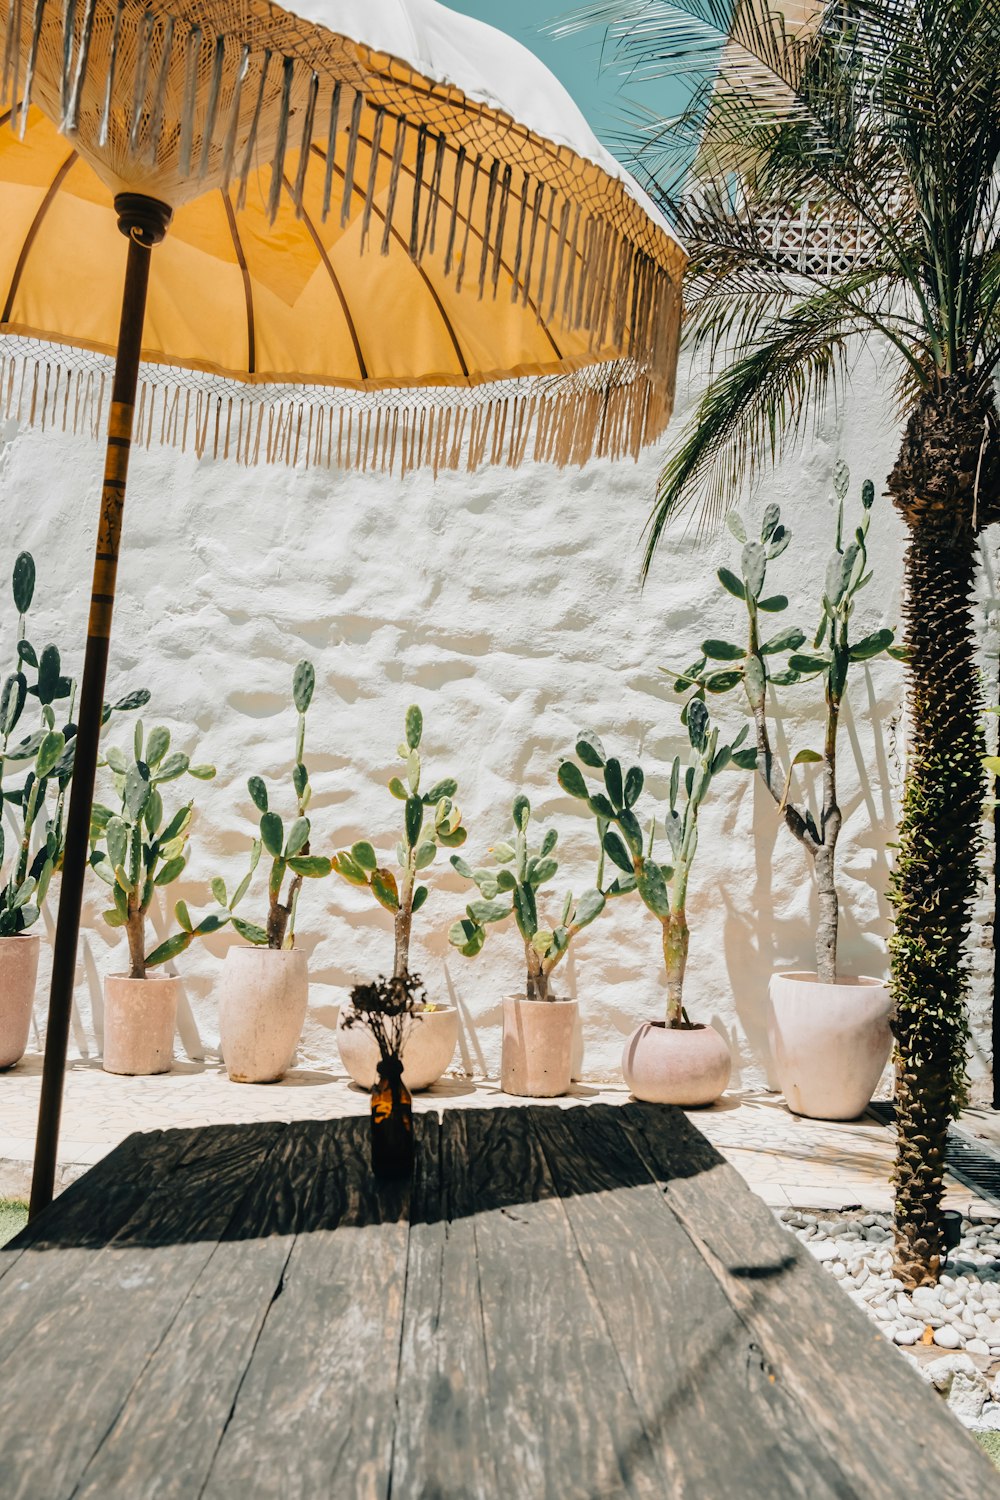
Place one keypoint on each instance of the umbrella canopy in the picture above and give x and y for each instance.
(503, 241)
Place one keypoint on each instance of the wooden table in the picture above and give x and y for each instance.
(566, 1302)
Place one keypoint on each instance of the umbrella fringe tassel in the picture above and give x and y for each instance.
(566, 424)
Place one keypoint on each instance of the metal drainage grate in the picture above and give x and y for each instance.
(973, 1162)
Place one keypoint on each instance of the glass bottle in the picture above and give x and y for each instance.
(392, 1121)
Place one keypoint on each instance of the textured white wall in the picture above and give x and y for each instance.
(509, 607)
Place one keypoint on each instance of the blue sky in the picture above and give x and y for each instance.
(601, 94)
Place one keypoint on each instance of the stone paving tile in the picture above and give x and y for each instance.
(789, 1161)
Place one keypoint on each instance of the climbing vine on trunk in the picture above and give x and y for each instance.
(944, 477)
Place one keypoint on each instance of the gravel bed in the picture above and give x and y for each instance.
(951, 1331)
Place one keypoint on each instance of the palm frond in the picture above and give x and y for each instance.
(845, 180)
(751, 412)
(656, 38)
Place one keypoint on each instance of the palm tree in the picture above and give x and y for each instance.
(875, 124)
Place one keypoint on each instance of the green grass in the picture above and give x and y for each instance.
(13, 1217)
(990, 1444)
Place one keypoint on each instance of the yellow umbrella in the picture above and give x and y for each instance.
(393, 241)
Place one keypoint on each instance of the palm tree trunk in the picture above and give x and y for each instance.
(932, 889)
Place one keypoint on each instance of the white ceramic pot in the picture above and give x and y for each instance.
(685, 1065)
(140, 1016)
(829, 1042)
(536, 1059)
(18, 972)
(263, 994)
(427, 1051)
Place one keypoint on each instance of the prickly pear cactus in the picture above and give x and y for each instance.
(662, 887)
(288, 849)
(136, 848)
(45, 756)
(725, 665)
(509, 888)
(431, 820)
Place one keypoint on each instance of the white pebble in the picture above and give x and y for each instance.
(941, 1372)
(962, 1311)
(967, 1398)
(823, 1249)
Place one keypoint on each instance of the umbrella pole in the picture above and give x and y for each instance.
(144, 220)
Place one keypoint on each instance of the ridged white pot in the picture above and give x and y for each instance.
(829, 1042)
(18, 972)
(536, 1058)
(263, 994)
(140, 1016)
(685, 1065)
(427, 1051)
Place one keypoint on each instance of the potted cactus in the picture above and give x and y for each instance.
(829, 1032)
(137, 849)
(538, 1029)
(430, 820)
(36, 808)
(264, 990)
(674, 1060)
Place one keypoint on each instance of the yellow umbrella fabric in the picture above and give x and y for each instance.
(346, 225)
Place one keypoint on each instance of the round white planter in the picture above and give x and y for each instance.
(829, 1042)
(536, 1059)
(688, 1065)
(263, 994)
(427, 1051)
(18, 972)
(140, 1016)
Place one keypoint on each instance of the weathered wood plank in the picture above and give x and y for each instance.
(564, 1423)
(882, 1425)
(724, 1429)
(443, 1444)
(93, 1207)
(51, 1253)
(164, 1441)
(315, 1412)
(89, 1348)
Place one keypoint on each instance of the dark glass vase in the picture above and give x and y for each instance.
(392, 1122)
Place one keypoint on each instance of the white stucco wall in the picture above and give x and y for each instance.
(508, 606)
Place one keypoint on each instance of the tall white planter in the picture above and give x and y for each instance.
(140, 1016)
(18, 972)
(263, 994)
(829, 1042)
(536, 1059)
(427, 1052)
